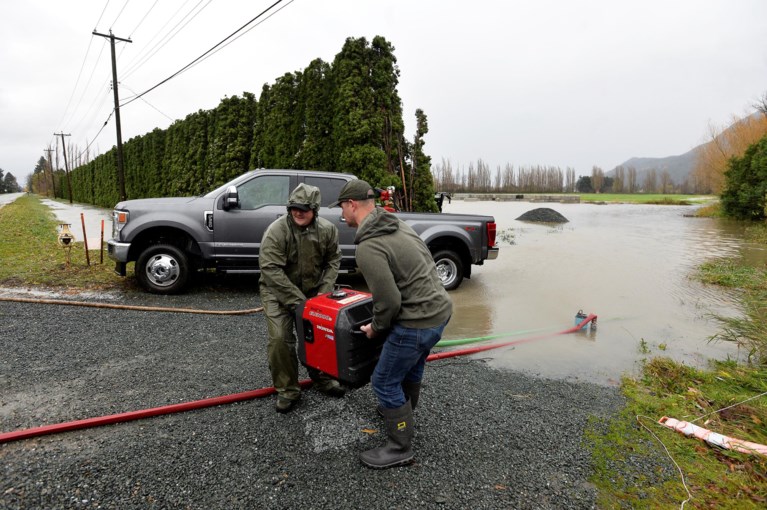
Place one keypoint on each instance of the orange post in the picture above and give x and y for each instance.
(85, 240)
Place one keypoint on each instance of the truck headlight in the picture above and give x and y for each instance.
(119, 220)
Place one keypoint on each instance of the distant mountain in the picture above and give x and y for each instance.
(678, 167)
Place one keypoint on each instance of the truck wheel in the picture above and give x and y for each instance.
(449, 268)
(162, 269)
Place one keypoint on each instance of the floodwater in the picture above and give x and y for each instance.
(629, 264)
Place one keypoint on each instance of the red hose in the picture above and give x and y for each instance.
(137, 415)
(235, 397)
(474, 350)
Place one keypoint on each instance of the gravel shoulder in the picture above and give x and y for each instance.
(484, 438)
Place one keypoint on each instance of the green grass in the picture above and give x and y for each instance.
(642, 198)
(31, 255)
(716, 478)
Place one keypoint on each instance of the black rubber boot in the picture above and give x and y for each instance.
(326, 384)
(399, 431)
(412, 392)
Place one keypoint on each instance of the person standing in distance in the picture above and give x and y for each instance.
(299, 259)
(410, 307)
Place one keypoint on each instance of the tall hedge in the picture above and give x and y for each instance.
(344, 117)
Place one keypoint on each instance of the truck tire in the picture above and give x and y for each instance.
(163, 269)
(449, 268)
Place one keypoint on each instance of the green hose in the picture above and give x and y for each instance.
(461, 341)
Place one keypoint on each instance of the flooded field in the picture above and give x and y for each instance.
(630, 265)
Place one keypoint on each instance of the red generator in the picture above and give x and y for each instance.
(329, 336)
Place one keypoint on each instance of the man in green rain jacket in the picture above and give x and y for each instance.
(299, 259)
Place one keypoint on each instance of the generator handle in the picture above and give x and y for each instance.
(356, 328)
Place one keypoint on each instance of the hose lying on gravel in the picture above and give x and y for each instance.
(132, 307)
(236, 397)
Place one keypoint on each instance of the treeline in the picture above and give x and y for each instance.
(483, 179)
(344, 116)
(723, 144)
(480, 178)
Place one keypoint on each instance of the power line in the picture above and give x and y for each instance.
(245, 32)
(102, 15)
(118, 14)
(82, 66)
(130, 34)
(147, 102)
(140, 55)
(165, 39)
(193, 62)
(97, 135)
(87, 85)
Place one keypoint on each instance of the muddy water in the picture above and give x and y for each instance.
(628, 264)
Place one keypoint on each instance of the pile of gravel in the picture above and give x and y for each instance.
(543, 215)
(484, 438)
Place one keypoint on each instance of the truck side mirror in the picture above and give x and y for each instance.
(231, 198)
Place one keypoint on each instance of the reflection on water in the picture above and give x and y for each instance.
(629, 264)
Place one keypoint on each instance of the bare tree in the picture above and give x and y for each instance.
(620, 173)
(632, 179)
(761, 104)
(651, 181)
(666, 182)
(597, 179)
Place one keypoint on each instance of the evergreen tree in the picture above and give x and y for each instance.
(315, 92)
(279, 124)
(422, 183)
(357, 126)
(230, 139)
(745, 190)
(8, 184)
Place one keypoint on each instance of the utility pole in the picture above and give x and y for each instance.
(66, 165)
(120, 163)
(50, 169)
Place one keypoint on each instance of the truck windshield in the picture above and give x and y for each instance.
(236, 182)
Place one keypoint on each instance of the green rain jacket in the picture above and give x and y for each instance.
(400, 273)
(298, 263)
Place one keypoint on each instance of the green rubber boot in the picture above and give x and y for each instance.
(399, 431)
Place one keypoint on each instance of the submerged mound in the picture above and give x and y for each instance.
(543, 215)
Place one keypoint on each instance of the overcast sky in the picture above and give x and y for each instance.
(545, 82)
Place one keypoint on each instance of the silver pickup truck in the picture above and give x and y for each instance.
(169, 238)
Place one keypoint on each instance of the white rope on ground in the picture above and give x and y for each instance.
(681, 474)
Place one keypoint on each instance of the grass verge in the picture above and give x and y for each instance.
(728, 398)
(31, 255)
(644, 198)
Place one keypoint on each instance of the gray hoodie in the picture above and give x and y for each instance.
(400, 273)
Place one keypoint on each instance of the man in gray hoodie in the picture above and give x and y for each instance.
(410, 307)
(299, 259)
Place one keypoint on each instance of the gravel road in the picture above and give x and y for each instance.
(484, 438)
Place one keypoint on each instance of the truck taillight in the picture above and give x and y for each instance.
(490, 234)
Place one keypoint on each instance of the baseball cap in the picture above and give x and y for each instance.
(356, 189)
(303, 207)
